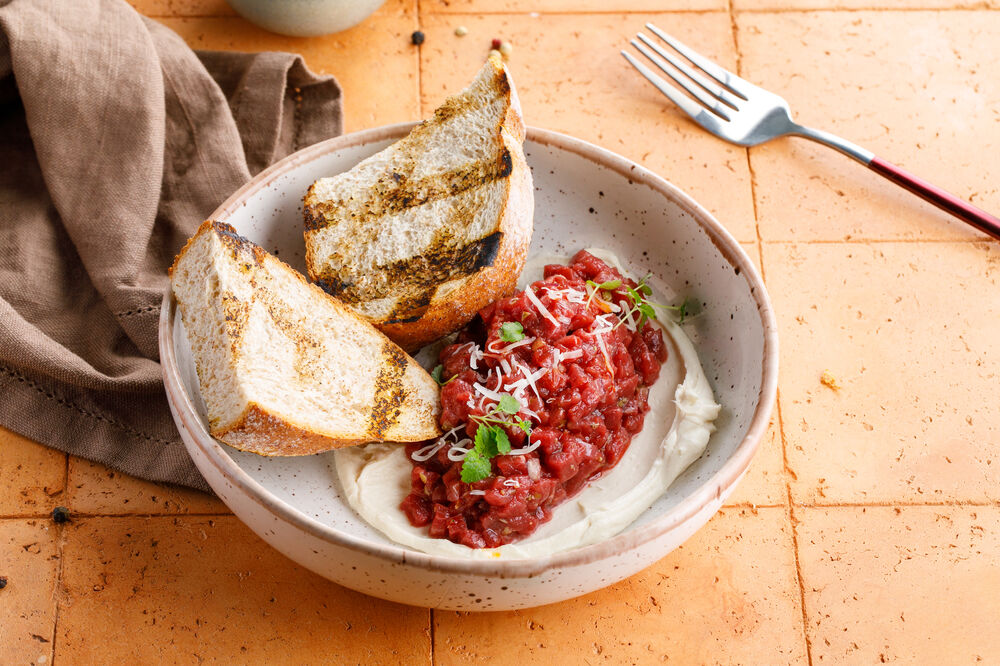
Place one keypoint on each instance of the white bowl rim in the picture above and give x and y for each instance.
(730, 472)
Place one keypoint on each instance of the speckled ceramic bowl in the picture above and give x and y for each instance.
(585, 196)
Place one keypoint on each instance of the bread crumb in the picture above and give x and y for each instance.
(828, 380)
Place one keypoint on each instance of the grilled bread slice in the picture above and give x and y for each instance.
(420, 236)
(283, 368)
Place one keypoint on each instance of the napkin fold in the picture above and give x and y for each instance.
(116, 141)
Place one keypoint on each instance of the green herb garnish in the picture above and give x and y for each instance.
(508, 404)
(491, 438)
(436, 375)
(511, 331)
(610, 285)
(476, 467)
(638, 305)
(646, 309)
(683, 310)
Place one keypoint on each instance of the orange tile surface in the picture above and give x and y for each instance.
(32, 477)
(866, 528)
(910, 585)
(915, 417)
(729, 595)
(182, 7)
(571, 78)
(96, 489)
(29, 562)
(208, 589)
(381, 42)
(559, 6)
(929, 105)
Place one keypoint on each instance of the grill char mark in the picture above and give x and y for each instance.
(397, 191)
(389, 392)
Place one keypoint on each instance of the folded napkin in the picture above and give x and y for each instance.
(116, 141)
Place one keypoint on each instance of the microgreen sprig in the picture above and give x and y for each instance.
(646, 309)
(595, 287)
(436, 375)
(683, 310)
(491, 439)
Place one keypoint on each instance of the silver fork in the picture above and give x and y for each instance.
(734, 109)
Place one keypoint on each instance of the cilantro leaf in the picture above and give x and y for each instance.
(508, 404)
(525, 425)
(511, 331)
(647, 310)
(476, 466)
(502, 441)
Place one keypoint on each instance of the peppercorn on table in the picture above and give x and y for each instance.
(868, 527)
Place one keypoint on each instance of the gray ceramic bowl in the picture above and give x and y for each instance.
(305, 18)
(585, 196)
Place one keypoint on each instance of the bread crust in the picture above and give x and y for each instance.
(266, 433)
(261, 432)
(486, 285)
(489, 281)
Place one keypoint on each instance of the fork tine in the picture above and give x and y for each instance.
(698, 113)
(712, 103)
(723, 76)
(709, 85)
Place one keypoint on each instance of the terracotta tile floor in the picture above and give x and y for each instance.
(866, 529)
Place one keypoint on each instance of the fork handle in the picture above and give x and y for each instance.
(935, 195)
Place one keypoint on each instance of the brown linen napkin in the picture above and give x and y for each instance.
(116, 141)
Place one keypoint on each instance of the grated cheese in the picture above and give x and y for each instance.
(458, 450)
(569, 355)
(604, 350)
(629, 320)
(475, 356)
(527, 449)
(427, 452)
(542, 310)
(514, 345)
(569, 294)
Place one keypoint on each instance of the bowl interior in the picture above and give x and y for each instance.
(580, 201)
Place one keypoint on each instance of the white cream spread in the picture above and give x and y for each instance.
(376, 477)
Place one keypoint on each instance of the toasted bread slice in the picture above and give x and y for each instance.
(284, 369)
(420, 236)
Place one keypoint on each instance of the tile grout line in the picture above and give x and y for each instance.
(734, 31)
(60, 551)
(57, 589)
(430, 625)
(793, 523)
(777, 405)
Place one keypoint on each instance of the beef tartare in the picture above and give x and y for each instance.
(542, 393)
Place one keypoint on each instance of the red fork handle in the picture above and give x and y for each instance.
(944, 200)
